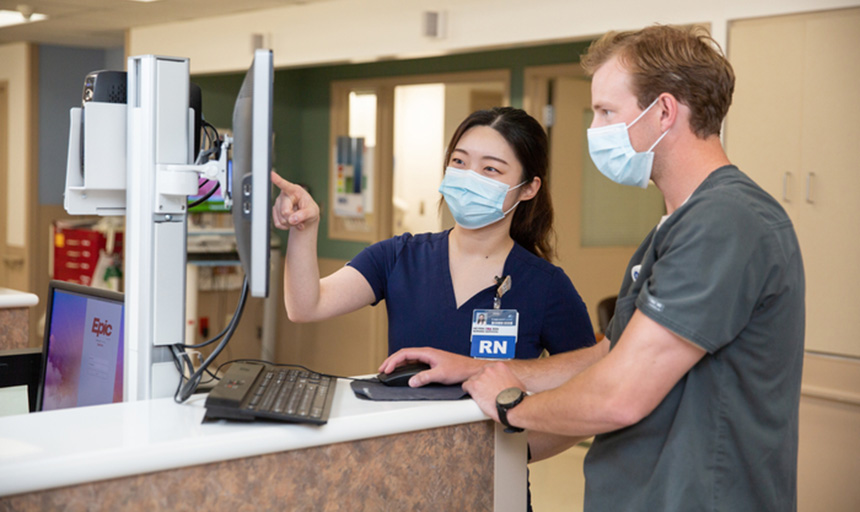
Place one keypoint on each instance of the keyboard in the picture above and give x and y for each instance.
(250, 391)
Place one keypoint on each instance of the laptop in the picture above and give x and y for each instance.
(82, 352)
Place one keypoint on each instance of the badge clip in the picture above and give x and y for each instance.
(504, 286)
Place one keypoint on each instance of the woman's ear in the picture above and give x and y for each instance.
(530, 189)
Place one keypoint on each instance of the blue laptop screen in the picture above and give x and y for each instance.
(83, 353)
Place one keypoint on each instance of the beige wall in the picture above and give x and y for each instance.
(829, 451)
(364, 30)
(15, 70)
(18, 68)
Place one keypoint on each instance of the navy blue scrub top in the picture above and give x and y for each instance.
(412, 275)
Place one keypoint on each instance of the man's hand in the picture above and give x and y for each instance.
(488, 383)
(294, 207)
(445, 367)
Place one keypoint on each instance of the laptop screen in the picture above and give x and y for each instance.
(82, 362)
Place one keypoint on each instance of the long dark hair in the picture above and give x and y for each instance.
(531, 226)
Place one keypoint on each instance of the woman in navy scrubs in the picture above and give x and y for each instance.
(435, 285)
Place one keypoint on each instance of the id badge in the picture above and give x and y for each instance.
(494, 333)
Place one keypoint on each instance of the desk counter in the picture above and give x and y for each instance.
(15, 299)
(79, 446)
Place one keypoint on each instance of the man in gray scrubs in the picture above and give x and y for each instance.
(693, 397)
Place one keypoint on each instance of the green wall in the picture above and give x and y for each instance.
(302, 99)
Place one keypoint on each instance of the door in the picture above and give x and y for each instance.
(4, 182)
(12, 256)
(425, 118)
(383, 113)
(793, 127)
(599, 223)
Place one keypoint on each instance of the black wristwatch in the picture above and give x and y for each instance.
(505, 401)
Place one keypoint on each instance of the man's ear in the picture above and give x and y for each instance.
(668, 105)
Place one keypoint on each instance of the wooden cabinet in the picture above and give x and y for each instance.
(794, 127)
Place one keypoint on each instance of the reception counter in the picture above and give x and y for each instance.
(156, 454)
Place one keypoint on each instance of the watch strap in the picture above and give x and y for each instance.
(502, 410)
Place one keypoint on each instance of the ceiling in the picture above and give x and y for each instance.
(102, 23)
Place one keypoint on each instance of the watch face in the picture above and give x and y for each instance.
(509, 395)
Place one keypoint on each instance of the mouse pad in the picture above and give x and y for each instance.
(372, 389)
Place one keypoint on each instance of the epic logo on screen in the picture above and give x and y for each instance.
(101, 328)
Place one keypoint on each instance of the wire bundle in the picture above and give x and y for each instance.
(189, 378)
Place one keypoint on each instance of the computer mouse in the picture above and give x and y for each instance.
(400, 376)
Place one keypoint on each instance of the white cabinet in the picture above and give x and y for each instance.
(794, 127)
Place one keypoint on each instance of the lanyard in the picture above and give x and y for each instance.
(503, 287)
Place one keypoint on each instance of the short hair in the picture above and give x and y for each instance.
(683, 61)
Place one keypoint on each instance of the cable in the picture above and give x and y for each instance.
(217, 336)
(215, 140)
(214, 151)
(186, 389)
(264, 362)
(209, 341)
(207, 196)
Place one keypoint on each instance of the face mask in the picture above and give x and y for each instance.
(615, 157)
(475, 201)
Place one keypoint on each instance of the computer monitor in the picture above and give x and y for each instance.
(82, 351)
(251, 188)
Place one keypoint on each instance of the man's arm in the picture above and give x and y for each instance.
(615, 392)
(307, 297)
(553, 371)
(543, 446)
(536, 374)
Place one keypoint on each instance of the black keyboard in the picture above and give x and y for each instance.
(251, 391)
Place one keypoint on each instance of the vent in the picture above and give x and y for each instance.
(434, 24)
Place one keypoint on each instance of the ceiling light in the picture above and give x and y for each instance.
(8, 18)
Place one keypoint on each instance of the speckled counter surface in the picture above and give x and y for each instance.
(14, 318)
(157, 455)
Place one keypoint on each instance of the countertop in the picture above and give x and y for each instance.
(15, 299)
(72, 446)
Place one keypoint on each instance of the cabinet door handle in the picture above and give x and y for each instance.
(809, 187)
(785, 178)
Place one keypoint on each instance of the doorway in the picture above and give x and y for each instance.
(404, 124)
(13, 263)
(425, 118)
(599, 224)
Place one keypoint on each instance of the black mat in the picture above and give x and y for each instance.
(372, 389)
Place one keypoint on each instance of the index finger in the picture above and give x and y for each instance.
(282, 183)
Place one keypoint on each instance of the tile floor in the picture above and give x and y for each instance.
(557, 483)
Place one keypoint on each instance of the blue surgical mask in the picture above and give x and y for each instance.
(615, 157)
(475, 201)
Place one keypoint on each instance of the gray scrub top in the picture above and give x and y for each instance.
(724, 271)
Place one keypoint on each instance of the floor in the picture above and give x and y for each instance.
(558, 483)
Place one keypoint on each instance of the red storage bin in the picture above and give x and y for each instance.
(76, 252)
